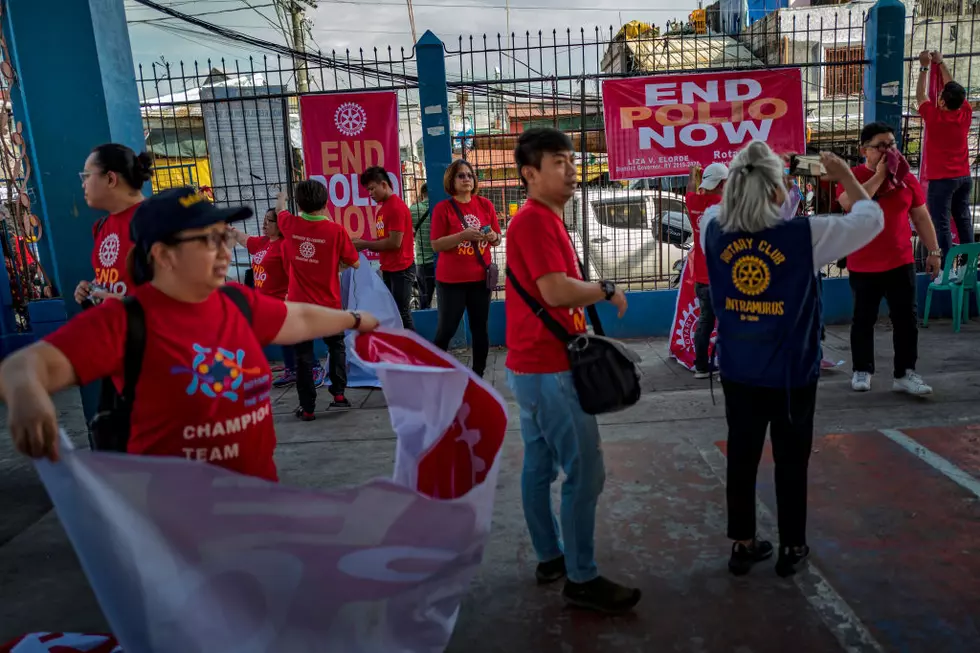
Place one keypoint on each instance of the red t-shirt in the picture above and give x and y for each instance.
(537, 244)
(203, 393)
(696, 206)
(112, 245)
(314, 250)
(947, 152)
(460, 265)
(891, 248)
(394, 215)
(268, 266)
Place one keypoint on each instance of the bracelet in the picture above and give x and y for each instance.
(936, 252)
(357, 319)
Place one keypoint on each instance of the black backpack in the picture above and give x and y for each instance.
(109, 429)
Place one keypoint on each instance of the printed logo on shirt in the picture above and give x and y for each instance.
(221, 372)
(750, 260)
(259, 257)
(307, 249)
(466, 247)
(109, 250)
(578, 318)
(379, 226)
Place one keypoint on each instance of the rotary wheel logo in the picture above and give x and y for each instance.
(472, 221)
(258, 258)
(686, 325)
(109, 251)
(350, 119)
(307, 250)
(750, 274)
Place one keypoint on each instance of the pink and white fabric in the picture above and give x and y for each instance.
(185, 556)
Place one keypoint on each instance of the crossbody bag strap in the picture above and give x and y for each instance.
(425, 216)
(549, 322)
(462, 221)
(133, 348)
(591, 309)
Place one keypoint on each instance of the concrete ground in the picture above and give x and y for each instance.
(894, 521)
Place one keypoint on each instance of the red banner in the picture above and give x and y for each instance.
(660, 126)
(686, 315)
(343, 135)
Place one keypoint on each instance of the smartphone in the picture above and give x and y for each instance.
(808, 166)
(485, 230)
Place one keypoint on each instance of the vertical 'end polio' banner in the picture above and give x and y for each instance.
(343, 135)
(661, 126)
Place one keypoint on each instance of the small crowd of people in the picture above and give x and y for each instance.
(204, 389)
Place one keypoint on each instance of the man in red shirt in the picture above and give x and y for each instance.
(712, 185)
(555, 429)
(885, 267)
(946, 156)
(315, 247)
(394, 238)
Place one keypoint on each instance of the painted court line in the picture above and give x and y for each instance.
(934, 460)
(850, 632)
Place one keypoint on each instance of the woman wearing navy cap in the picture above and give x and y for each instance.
(203, 389)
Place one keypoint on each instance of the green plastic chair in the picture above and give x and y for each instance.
(959, 290)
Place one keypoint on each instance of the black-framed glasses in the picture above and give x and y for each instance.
(883, 147)
(465, 175)
(213, 239)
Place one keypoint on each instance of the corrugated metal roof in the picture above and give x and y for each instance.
(688, 53)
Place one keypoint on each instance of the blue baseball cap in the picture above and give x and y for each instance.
(169, 212)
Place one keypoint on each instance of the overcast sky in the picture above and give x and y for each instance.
(354, 24)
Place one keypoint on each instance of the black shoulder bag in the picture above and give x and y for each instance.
(605, 371)
(491, 271)
(109, 429)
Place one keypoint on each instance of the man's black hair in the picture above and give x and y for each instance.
(424, 190)
(534, 143)
(311, 196)
(954, 95)
(873, 129)
(376, 174)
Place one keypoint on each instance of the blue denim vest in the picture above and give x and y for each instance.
(765, 295)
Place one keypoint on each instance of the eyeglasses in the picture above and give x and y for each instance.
(85, 174)
(464, 175)
(213, 239)
(883, 147)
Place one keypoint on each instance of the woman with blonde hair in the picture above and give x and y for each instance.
(764, 275)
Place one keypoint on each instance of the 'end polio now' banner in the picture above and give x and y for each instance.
(344, 134)
(661, 126)
(186, 556)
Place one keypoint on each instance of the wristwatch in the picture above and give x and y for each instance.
(924, 69)
(936, 252)
(609, 288)
(357, 319)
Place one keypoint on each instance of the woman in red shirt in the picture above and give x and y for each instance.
(271, 276)
(112, 181)
(464, 228)
(203, 390)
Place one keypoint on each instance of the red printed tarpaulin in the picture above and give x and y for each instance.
(186, 556)
(686, 315)
(343, 135)
(660, 126)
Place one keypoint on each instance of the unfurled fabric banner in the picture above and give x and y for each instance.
(344, 134)
(186, 556)
(661, 126)
(686, 315)
(363, 290)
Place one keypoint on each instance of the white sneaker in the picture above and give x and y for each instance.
(702, 375)
(911, 383)
(861, 381)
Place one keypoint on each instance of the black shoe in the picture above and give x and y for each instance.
(549, 572)
(791, 559)
(303, 415)
(743, 557)
(602, 595)
(340, 401)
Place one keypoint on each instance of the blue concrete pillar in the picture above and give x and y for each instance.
(430, 55)
(884, 48)
(76, 88)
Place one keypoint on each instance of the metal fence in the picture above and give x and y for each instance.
(234, 128)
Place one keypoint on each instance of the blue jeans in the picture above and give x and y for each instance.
(558, 434)
(288, 358)
(946, 197)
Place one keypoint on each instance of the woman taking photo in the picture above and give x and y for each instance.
(112, 181)
(270, 276)
(203, 392)
(464, 228)
(764, 275)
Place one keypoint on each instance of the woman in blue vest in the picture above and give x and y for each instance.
(764, 273)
